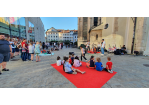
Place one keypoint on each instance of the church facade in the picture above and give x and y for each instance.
(116, 31)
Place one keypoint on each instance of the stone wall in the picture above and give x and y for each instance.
(38, 28)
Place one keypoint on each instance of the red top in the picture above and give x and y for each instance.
(23, 44)
(109, 65)
(70, 61)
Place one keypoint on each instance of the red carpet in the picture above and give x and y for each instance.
(91, 52)
(91, 79)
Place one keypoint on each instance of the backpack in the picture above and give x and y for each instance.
(117, 52)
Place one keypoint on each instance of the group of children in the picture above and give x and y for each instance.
(68, 63)
(99, 66)
(74, 61)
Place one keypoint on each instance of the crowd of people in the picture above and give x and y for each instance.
(10, 48)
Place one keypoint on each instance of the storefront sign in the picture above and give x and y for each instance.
(29, 31)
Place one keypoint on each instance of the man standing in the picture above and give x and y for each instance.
(88, 46)
(103, 46)
(13, 48)
(5, 49)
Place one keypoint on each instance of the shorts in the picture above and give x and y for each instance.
(70, 72)
(4, 57)
(13, 50)
(37, 54)
(16, 49)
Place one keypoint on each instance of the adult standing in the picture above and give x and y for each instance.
(82, 53)
(61, 45)
(5, 49)
(88, 46)
(24, 50)
(13, 48)
(54, 44)
(103, 46)
(43, 45)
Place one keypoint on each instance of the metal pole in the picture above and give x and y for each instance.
(133, 35)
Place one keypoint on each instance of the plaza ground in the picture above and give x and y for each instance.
(131, 73)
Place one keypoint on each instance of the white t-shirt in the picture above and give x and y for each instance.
(11, 44)
(83, 50)
(77, 63)
(31, 49)
(98, 45)
(54, 44)
(87, 43)
(59, 62)
(103, 44)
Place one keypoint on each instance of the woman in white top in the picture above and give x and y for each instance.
(59, 62)
(31, 50)
(77, 63)
(82, 53)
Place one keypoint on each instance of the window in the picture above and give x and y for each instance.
(96, 36)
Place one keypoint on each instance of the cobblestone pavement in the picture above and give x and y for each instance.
(131, 73)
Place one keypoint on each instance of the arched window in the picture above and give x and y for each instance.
(96, 36)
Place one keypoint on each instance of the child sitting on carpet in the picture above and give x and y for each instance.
(72, 58)
(70, 61)
(109, 65)
(68, 68)
(59, 62)
(99, 66)
(91, 64)
(63, 60)
(77, 63)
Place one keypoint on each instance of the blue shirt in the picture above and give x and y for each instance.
(98, 66)
(4, 47)
(67, 67)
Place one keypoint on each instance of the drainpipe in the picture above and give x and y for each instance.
(133, 35)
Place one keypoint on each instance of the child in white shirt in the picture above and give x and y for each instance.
(77, 63)
(59, 62)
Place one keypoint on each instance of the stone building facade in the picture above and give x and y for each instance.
(53, 34)
(119, 32)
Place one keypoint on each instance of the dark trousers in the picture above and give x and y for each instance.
(83, 56)
(98, 49)
(28, 56)
(24, 56)
(105, 69)
(88, 48)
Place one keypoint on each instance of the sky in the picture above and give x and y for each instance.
(60, 22)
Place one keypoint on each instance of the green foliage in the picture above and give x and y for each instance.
(67, 42)
(75, 43)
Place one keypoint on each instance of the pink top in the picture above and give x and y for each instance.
(77, 63)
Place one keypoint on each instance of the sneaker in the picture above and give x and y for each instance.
(111, 71)
(74, 73)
